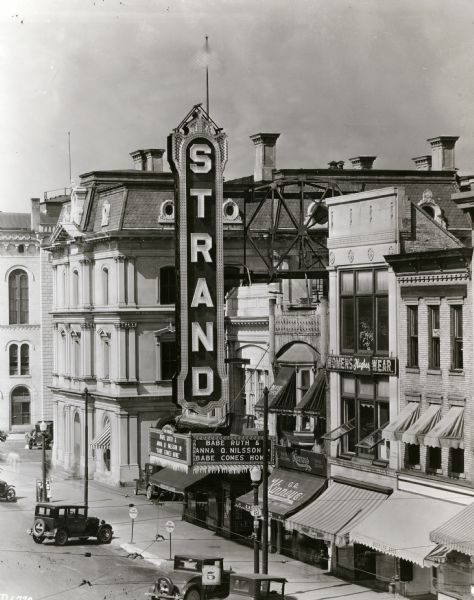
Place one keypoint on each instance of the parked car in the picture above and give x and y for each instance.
(62, 522)
(151, 488)
(256, 587)
(7, 491)
(188, 577)
(34, 438)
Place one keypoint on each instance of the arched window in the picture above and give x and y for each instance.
(76, 355)
(25, 359)
(21, 402)
(63, 356)
(13, 357)
(168, 359)
(105, 286)
(106, 356)
(167, 285)
(107, 450)
(18, 296)
(75, 288)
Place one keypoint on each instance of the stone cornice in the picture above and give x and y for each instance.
(430, 278)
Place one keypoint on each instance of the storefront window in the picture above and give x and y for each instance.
(412, 456)
(364, 311)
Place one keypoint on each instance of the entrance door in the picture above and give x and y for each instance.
(364, 563)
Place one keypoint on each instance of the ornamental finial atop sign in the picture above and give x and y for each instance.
(197, 150)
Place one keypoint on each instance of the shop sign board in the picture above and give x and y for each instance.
(197, 150)
(221, 453)
(169, 447)
(362, 365)
(301, 460)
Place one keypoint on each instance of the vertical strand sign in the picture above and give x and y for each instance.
(197, 151)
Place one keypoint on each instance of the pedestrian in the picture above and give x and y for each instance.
(13, 459)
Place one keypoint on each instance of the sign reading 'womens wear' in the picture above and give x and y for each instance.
(197, 151)
(364, 365)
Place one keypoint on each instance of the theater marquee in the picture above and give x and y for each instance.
(197, 151)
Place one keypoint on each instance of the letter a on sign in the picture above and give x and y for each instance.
(197, 150)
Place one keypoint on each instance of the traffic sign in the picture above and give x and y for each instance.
(256, 511)
(133, 512)
(169, 526)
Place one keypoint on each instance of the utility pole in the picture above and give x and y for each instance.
(86, 450)
(265, 485)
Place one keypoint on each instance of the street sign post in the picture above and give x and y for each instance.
(170, 528)
(256, 511)
(133, 514)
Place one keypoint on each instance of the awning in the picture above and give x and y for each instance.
(338, 432)
(299, 354)
(335, 512)
(401, 526)
(416, 432)
(314, 401)
(437, 556)
(371, 440)
(176, 481)
(287, 492)
(456, 533)
(402, 422)
(281, 387)
(302, 439)
(102, 440)
(448, 433)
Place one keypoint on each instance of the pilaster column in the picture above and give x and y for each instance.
(55, 348)
(132, 351)
(55, 286)
(120, 274)
(67, 287)
(86, 350)
(67, 357)
(131, 300)
(121, 351)
(86, 265)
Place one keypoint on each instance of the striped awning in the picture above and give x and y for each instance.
(335, 512)
(449, 431)
(401, 526)
(437, 556)
(402, 422)
(416, 432)
(456, 533)
(102, 440)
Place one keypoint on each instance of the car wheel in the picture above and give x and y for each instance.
(104, 536)
(61, 537)
(193, 594)
(38, 539)
(149, 492)
(39, 527)
(11, 495)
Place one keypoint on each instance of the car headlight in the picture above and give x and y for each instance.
(164, 586)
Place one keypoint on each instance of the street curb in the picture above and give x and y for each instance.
(148, 556)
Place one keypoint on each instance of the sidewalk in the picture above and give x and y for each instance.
(305, 582)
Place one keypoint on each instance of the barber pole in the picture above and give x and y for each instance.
(197, 152)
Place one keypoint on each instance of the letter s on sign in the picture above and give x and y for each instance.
(200, 164)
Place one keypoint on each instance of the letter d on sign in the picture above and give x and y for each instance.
(203, 381)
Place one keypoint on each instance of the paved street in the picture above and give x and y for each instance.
(114, 571)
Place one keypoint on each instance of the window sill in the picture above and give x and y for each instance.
(456, 373)
(346, 456)
(412, 369)
(20, 376)
(413, 467)
(434, 372)
(457, 475)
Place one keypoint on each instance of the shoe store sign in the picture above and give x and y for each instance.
(197, 152)
(363, 365)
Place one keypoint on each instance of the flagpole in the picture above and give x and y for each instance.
(207, 75)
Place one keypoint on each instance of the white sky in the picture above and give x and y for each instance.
(336, 78)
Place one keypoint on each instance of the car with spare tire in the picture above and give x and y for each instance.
(60, 522)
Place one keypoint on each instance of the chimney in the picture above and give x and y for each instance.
(422, 163)
(340, 164)
(265, 155)
(442, 152)
(35, 214)
(362, 162)
(154, 160)
(138, 160)
(332, 164)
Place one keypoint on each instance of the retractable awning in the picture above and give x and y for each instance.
(402, 422)
(287, 492)
(371, 440)
(456, 533)
(314, 401)
(300, 438)
(401, 526)
(416, 432)
(102, 440)
(279, 394)
(176, 481)
(332, 515)
(437, 556)
(338, 432)
(448, 433)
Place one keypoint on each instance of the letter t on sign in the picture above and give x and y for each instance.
(201, 196)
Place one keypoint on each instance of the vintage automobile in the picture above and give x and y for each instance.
(256, 587)
(34, 438)
(60, 522)
(189, 576)
(7, 491)
(151, 487)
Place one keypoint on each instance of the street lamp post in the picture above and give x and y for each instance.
(255, 476)
(265, 484)
(44, 495)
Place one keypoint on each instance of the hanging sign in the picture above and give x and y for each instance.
(221, 453)
(170, 449)
(197, 151)
(363, 365)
